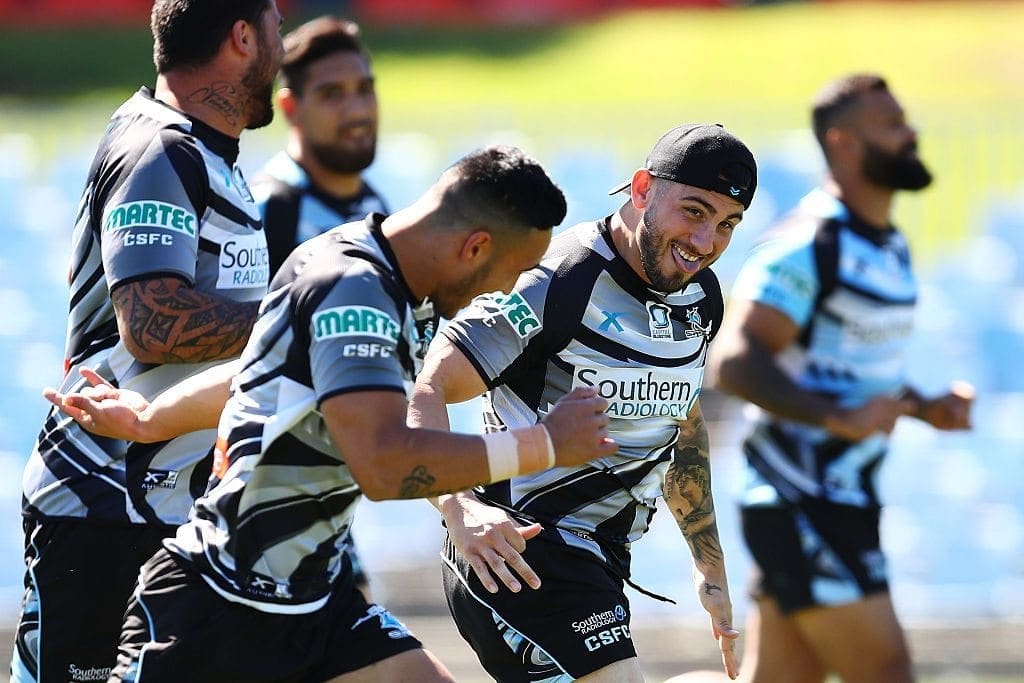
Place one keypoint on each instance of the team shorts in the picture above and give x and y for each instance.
(576, 623)
(178, 629)
(815, 554)
(78, 580)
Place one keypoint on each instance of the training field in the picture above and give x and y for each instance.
(588, 101)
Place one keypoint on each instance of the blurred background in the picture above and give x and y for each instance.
(586, 86)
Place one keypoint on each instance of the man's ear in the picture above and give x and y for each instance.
(641, 187)
(841, 142)
(476, 248)
(288, 103)
(243, 38)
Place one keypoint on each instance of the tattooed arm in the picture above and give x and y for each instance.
(164, 320)
(689, 497)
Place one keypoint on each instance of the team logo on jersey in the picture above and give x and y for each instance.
(394, 628)
(164, 479)
(659, 321)
(516, 310)
(696, 329)
(350, 321)
(149, 214)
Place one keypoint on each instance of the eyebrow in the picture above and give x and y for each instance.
(710, 207)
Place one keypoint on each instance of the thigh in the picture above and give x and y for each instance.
(776, 649)
(79, 578)
(412, 665)
(576, 623)
(860, 641)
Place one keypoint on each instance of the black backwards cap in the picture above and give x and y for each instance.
(706, 156)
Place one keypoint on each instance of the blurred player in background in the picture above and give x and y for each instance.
(329, 99)
(816, 336)
(169, 263)
(627, 304)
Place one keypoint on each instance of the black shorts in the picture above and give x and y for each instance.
(815, 554)
(576, 623)
(78, 579)
(178, 629)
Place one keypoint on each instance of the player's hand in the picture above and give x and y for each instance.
(578, 427)
(952, 410)
(877, 415)
(714, 597)
(491, 541)
(101, 408)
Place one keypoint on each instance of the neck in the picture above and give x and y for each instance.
(416, 246)
(340, 185)
(624, 226)
(871, 203)
(205, 95)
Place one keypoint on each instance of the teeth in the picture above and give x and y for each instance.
(685, 255)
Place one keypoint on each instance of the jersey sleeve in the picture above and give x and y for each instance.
(781, 273)
(498, 328)
(149, 221)
(354, 334)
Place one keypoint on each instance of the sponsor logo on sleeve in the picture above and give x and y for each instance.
(517, 311)
(351, 321)
(149, 214)
(635, 393)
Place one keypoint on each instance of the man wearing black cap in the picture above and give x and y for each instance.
(628, 305)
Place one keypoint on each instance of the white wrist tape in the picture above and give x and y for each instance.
(512, 452)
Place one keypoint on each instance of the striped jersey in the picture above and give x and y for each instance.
(851, 290)
(164, 197)
(295, 210)
(583, 317)
(338, 319)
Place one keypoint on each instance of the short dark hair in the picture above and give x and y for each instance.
(188, 33)
(314, 40)
(502, 188)
(838, 99)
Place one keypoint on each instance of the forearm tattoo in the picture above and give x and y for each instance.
(171, 321)
(220, 96)
(688, 492)
(420, 484)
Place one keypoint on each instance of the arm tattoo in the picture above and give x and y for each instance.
(220, 96)
(420, 484)
(688, 492)
(169, 320)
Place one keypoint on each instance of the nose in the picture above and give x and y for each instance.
(702, 240)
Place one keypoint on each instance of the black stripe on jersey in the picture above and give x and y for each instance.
(612, 349)
(288, 450)
(104, 337)
(138, 458)
(67, 463)
(86, 287)
(209, 246)
(188, 163)
(230, 211)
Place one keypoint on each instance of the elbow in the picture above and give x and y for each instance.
(140, 353)
(372, 482)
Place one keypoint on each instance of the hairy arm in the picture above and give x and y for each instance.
(164, 320)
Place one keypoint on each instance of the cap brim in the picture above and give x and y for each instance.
(619, 188)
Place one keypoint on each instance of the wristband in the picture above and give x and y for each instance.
(512, 452)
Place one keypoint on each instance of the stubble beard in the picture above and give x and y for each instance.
(899, 171)
(652, 247)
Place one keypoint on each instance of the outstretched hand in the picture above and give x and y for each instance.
(951, 411)
(491, 541)
(100, 408)
(714, 597)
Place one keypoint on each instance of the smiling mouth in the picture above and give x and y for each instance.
(685, 255)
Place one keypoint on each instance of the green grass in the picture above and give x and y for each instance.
(618, 82)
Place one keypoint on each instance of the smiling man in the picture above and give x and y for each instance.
(628, 305)
(328, 97)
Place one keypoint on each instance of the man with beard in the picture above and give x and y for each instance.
(816, 336)
(169, 264)
(328, 97)
(629, 305)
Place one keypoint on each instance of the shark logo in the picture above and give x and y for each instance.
(696, 329)
(734, 191)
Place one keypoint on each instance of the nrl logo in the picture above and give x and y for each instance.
(696, 329)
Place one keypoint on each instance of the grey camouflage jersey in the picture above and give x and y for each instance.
(164, 197)
(585, 318)
(338, 320)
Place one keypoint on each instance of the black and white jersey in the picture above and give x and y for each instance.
(851, 290)
(164, 197)
(338, 320)
(583, 317)
(295, 210)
